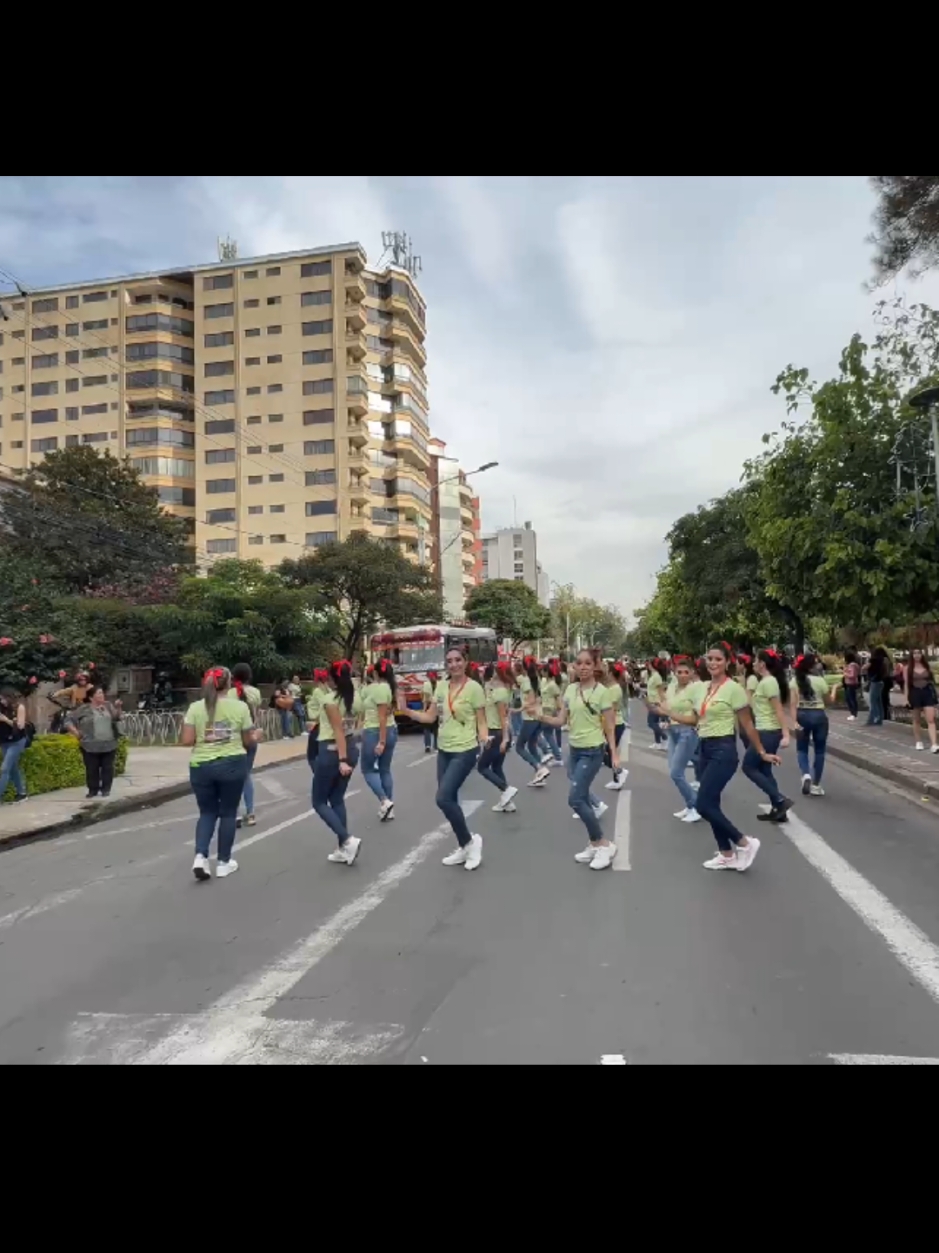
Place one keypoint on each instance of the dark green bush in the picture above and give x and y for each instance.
(55, 761)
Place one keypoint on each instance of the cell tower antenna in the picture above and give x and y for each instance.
(401, 247)
(227, 248)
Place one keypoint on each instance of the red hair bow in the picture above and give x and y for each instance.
(213, 675)
(745, 658)
(529, 661)
(771, 652)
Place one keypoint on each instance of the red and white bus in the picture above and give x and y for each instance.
(415, 650)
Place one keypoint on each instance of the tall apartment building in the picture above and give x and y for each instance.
(277, 402)
(512, 553)
(455, 510)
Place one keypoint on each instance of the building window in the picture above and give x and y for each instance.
(319, 447)
(255, 479)
(160, 378)
(252, 332)
(44, 445)
(219, 311)
(315, 269)
(378, 485)
(155, 348)
(278, 539)
(221, 545)
(166, 467)
(48, 361)
(254, 391)
(217, 486)
(176, 495)
(318, 417)
(71, 328)
(519, 568)
(277, 508)
(274, 330)
(221, 426)
(319, 478)
(254, 449)
(219, 398)
(215, 282)
(255, 539)
(273, 300)
(44, 415)
(71, 302)
(318, 328)
(220, 339)
(95, 437)
(275, 417)
(316, 508)
(71, 385)
(160, 322)
(317, 387)
(17, 443)
(318, 356)
(45, 332)
(276, 359)
(274, 388)
(253, 303)
(97, 324)
(89, 354)
(160, 435)
(246, 274)
(275, 478)
(385, 517)
(45, 389)
(272, 272)
(71, 357)
(254, 420)
(255, 509)
(71, 414)
(214, 456)
(252, 360)
(317, 538)
(214, 516)
(215, 369)
(316, 298)
(89, 409)
(18, 361)
(275, 448)
(71, 441)
(50, 304)
(94, 297)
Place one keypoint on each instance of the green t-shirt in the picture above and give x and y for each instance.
(683, 700)
(524, 686)
(457, 732)
(550, 695)
(752, 681)
(654, 687)
(764, 715)
(223, 737)
(253, 698)
(496, 696)
(348, 719)
(314, 703)
(718, 716)
(427, 690)
(820, 693)
(616, 695)
(585, 709)
(374, 695)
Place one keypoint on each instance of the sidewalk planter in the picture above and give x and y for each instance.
(55, 761)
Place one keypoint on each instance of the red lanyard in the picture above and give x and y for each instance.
(450, 695)
(711, 694)
(583, 701)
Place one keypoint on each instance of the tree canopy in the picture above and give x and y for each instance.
(511, 608)
(906, 224)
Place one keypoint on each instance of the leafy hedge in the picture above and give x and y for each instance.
(55, 761)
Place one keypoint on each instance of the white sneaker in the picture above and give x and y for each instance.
(456, 858)
(351, 849)
(337, 855)
(817, 790)
(806, 784)
(540, 777)
(935, 748)
(682, 812)
(601, 809)
(201, 868)
(224, 868)
(586, 855)
(722, 862)
(548, 760)
(603, 857)
(386, 810)
(617, 782)
(508, 796)
(510, 808)
(747, 856)
(575, 815)
(851, 718)
(920, 746)
(474, 853)
(692, 816)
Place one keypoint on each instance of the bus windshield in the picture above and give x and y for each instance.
(420, 656)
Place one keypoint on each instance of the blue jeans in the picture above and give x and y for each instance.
(286, 722)
(312, 746)
(760, 772)
(527, 741)
(217, 786)
(814, 724)
(10, 770)
(376, 770)
(491, 763)
(682, 747)
(876, 697)
(453, 769)
(249, 782)
(850, 698)
(430, 736)
(718, 767)
(552, 737)
(515, 715)
(652, 722)
(582, 767)
(329, 787)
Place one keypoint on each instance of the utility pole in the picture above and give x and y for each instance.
(927, 401)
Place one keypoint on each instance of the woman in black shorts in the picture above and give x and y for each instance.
(920, 691)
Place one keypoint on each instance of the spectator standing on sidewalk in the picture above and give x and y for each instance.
(245, 690)
(299, 709)
(97, 726)
(877, 673)
(851, 680)
(919, 687)
(13, 741)
(283, 703)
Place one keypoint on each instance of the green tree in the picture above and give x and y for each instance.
(86, 519)
(906, 224)
(365, 582)
(36, 640)
(511, 608)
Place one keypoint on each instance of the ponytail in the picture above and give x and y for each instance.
(619, 674)
(531, 669)
(385, 671)
(340, 672)
(804, 665)
(216, 680)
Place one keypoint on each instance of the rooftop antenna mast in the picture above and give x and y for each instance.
(401, 247)
(227, 248)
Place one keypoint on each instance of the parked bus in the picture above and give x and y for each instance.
(415, 650)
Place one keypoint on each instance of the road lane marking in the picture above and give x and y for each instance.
(621, 832)
(234, 1029)
(880, 1059)
(911, 946)
(421, 760)
(272, 785)
(613, 1059)
(46, 903)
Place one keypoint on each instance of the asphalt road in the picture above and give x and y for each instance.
(826, 951)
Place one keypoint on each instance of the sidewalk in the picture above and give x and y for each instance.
(888, 751)
(153, 775)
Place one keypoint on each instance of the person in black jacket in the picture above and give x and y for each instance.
(878, 671)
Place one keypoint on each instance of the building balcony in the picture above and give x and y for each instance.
(466, 514)
(357, 393)
(359, 490)
(408, 449)
(402, 308)
(404, 529)
(355, 345)
(405, 338)
(354, 285)
(358, 434)
(355, 317)
(357, 458)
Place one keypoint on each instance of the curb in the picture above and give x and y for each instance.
(893, 774)
(102, 813)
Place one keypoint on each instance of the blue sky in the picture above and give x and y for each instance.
(610, 341)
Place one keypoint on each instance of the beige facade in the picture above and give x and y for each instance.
(278, 401)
